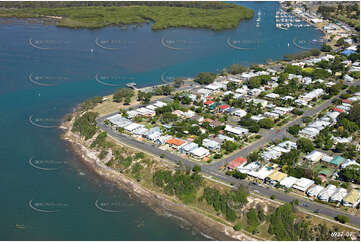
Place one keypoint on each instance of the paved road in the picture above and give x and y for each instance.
(272, 135)
(213, 170)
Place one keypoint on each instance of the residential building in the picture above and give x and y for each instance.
(303, 184)
(352, 199)
(211, 144)
(326, 193)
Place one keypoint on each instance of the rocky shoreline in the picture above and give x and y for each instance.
(206, 226)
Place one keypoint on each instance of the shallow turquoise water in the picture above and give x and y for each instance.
(66, 59)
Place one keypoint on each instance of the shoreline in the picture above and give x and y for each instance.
(159, 202)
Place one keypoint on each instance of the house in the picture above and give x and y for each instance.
(262, 173)
(271, 154)
(197, 118)
(132, 126)
(175, 143)
(326, 193)
(238, 162)
(352, 199)
(187, 148)
(260, 101)
(211, 144)
(275, 178)
(272, 115)
(348, 79)
(236, 130)
(272, 95)
(303, 184)
(159, 104)
(161, 140)
(199, 152)
(338, 110)
(257, 117)
(349, 162)
(324, 173)
(222, 108)
(249, 167)
(222, 138)
(337, 160)
(239, 113)
(338, 195)
(140, 131)
(314, 191)
(288, 182)
(314, 156)
(288, 145)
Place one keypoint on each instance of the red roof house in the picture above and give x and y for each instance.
(236, 163)
(338, 110)
(347, 101)
(208, 102)
(223, 107)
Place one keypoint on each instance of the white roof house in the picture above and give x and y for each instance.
(303, 184)
(188, 147)
(211, 144)
(271, 115)
(314, 156)
(349, 162)
(326, 193)
(140, 131)
(236, 130)
(240, 113)
(338, 195)
(314, 191)
(257, 117)
(271, 154)
(132, 127)
(159, 104)
(199, 152)
(261, 173)
(289, 145)
(273, 95)
(249, 167)
(288, 181)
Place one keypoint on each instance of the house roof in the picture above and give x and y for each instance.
(224, 106)
(338, 110)
(208, 102)
(347, 101)
(303, 184)
(352, 197)
(337, 160)
(175, 141)
(277, 176)
(236, 162)
(325, 172)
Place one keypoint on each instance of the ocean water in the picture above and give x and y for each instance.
(45, 71)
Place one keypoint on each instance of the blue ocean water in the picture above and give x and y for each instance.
(45, 71)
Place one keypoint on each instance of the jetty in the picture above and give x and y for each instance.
(131, 85)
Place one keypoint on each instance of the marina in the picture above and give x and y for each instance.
(285, 21)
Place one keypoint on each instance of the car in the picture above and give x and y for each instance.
(256, 191)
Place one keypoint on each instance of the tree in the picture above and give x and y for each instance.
(252, 220)
(236, 69)
(340, 147)
(294, 130)
(342, 219)
(122, 93)
(197, 169)
(326, 48)
(237, 227)
(273, 197)
(281, 223)
(305, 145)
(351, 173)
(205, 78)
(266, 123)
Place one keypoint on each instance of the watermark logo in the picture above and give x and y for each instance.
(48, 44)
(46, 165)
(113, 44)
(46, 81)
(47, 207)
(242, 44)
(109, 207)
(113, 80)
(46, 123)
(178, 44)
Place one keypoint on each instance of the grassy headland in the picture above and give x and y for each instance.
(217, 16)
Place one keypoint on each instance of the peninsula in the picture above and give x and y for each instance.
(208, 15)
